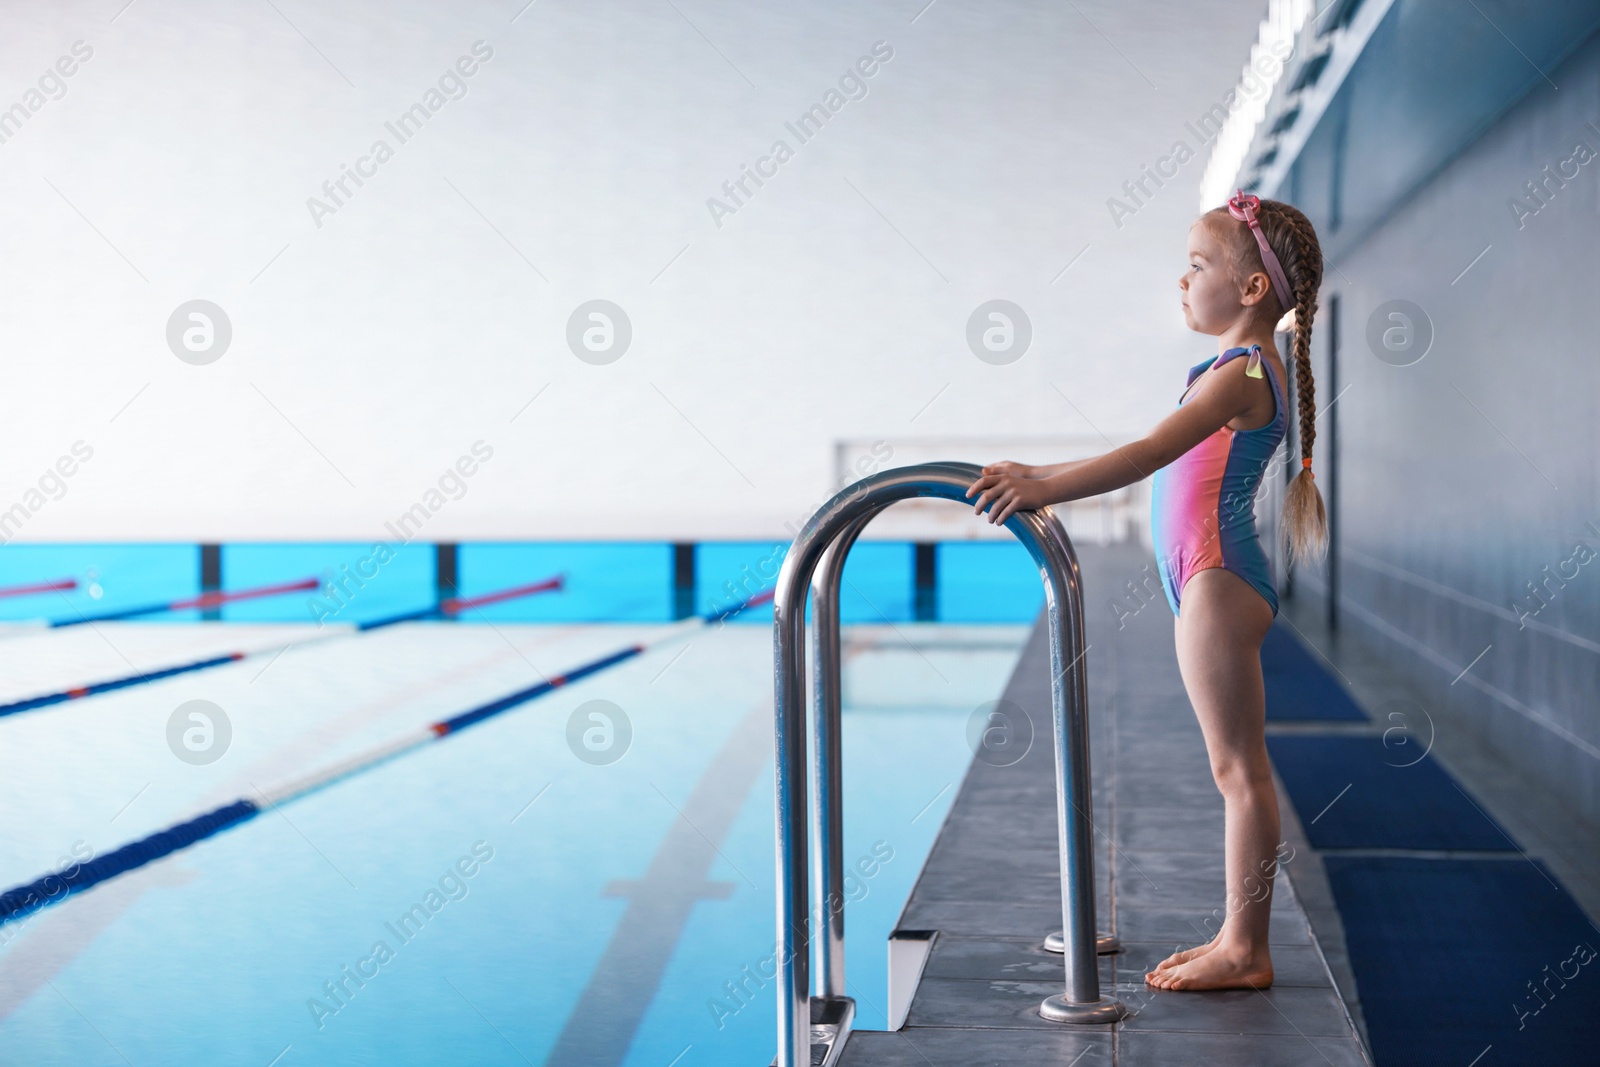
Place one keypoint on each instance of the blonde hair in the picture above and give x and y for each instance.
(1304, 525)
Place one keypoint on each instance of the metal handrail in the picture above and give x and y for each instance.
(814, 563)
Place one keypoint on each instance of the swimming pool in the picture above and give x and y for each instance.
(965, 581)
(507, 896)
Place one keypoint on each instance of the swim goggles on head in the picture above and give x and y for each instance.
(1243, 206)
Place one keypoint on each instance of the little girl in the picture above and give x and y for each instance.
(1249, 263)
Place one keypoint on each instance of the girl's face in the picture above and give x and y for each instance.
(1212, 297)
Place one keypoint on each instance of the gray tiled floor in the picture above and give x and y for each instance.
(978, 1048)
(991, 888)
(1001, 959)
(1157, 1049)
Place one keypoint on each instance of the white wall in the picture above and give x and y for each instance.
(374, 350)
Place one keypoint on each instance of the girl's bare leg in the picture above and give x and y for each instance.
(1219, 633)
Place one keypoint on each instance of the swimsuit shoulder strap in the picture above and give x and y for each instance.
(1254, 351)
(1199, 369)
(1195, 372)
(1255, 368)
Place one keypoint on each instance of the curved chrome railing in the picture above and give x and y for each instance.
(815, 562)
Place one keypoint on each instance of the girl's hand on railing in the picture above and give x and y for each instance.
(1006, 494)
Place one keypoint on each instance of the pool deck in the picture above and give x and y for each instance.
(991, 890)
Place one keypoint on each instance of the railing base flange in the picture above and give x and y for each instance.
(1058, 1009)
(1104, 945)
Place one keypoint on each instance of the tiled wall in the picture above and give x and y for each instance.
(1475, 471)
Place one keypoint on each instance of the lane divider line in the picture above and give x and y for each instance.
(456, 605)
(60, 585)
(52, 888)
(213, 599)
(93, 689)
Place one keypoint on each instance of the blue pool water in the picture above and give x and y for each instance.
(978, 582)
(224, 953)
(614, 582)
(110, 577)
(359, 584)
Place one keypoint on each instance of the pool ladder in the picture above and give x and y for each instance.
(813, 1028)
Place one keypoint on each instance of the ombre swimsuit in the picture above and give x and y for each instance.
(1202, 504)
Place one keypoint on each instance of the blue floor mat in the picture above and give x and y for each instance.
(1455, 956)
(1355, 792)
(1299, 688)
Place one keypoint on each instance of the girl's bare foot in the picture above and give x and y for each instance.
(1187, 954)
(1219, 968)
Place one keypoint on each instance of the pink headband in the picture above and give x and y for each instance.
(1243, 207)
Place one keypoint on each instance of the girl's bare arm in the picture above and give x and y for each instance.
(1211, 407)
(1057, 468)
(1002, 493)
(1023, 470)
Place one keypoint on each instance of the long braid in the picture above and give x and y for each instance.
(1304, 525)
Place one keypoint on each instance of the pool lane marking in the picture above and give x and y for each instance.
(447, 608)
(214, 599)
(626, 978)
(24, 899)
(456, 605)
(94, 689)
(18, 627)
(62, 936)
(60, 585)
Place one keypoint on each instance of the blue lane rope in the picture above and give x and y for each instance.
(46, 700)
(117, 683)
(214, 599)
(28, 898)
(55, 887)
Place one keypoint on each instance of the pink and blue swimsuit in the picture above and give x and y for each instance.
(1202, 504)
